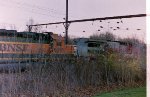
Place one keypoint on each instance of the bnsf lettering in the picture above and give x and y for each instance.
(18, 47)
(9, 47)
(2, 47)
(13, 47)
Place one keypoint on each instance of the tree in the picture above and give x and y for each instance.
(105, 36)
(35, 28)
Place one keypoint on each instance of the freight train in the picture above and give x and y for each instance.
(23, 47)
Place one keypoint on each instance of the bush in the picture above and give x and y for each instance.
(76, 77)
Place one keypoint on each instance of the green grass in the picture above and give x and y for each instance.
(134, 92)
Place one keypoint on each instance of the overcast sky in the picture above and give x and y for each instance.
(18, 12)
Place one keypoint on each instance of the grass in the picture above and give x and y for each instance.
(133, 92)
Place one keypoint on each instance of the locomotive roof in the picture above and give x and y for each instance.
(14, 32)
(88, 40)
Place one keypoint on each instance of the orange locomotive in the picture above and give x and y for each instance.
(15, 45)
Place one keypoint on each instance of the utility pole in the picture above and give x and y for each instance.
(66, 24)
(29, 28)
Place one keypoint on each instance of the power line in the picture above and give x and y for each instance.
(95, 19)
(31, 10)
(37, 7)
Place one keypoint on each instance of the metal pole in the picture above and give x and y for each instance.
(66, 25)
(29, 28)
